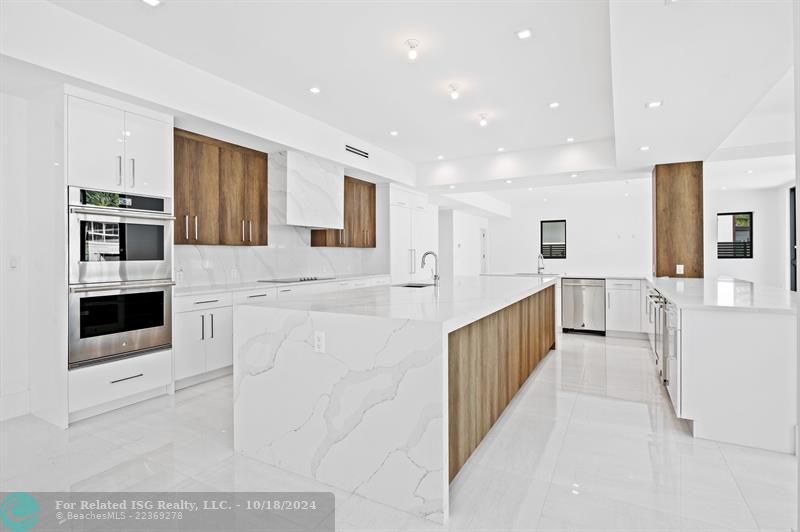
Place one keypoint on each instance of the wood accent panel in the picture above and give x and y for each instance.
(196, 191)
(678, 218)
(488, 361)
(359, 218)
(225, 186)
(256, 200)
(231, 198)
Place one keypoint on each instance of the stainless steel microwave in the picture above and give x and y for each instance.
(116, 237)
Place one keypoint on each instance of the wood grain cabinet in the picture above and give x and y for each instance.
(359, 219)
(220, 192)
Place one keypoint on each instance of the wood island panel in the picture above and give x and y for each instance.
(488, 361)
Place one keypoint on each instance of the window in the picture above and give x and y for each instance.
(554, 239)
(735, 235)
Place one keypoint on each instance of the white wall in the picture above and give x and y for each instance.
(608, 232)
(769, 265)
(13, 245)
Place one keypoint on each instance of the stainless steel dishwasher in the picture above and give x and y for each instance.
(583, 305)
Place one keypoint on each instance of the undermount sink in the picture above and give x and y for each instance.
(413, 285)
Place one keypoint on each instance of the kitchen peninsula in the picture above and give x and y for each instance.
(386, 391)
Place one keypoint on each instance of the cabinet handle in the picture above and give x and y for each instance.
(411, 261)
(257, 295)
(119, 170)
(212, 326)
(195, 227)
(127, 378)
(206, 302)
(242, 230)
(286, 290)
(251, 230)
(133, 172)
(187, 227)
(202, 326)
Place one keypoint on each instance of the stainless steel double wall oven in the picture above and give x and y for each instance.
(120, 274)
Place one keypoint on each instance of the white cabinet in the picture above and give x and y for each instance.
(148, 156)
(95, 145)
(202, 341)
(413, 226)
(111, 148)
(623, 305)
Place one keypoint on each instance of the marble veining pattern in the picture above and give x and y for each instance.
(366, 416)
(589, 444)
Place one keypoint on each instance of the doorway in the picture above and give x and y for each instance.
(793, 239)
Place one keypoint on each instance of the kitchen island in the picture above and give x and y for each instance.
(386, 391)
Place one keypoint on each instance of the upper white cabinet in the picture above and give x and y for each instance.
(623, 305)
(414, 229)
(305, 190)
(116, 149)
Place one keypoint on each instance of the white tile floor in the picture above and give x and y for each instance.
(589, 443)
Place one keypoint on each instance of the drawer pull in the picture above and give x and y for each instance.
(257, 295)
(128, 378)
(206, 302)
(286, 290)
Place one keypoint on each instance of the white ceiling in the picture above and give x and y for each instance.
(711, 63)
(749, 174)
(354, 52)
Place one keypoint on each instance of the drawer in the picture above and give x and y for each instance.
(302, 290)
(254, 296)
(623, 284)
(95, 385)
(189, 303)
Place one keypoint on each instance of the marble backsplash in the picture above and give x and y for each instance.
(289, 254)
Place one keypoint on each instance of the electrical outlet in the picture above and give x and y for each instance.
(679, 269)
(319, 342)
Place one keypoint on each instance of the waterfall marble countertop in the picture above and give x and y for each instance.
(255, 285)
(455, 303)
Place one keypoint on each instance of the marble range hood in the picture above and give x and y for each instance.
(305, 190)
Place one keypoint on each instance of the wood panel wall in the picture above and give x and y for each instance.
(678, 218)
(488, 360)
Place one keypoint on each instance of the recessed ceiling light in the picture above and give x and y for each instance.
(524, 34)
(573, 175)
(412, 44)
(530, 189)
(749, 171)
(545, 200)
(508, 181)
(454, 94)
(554, 105)
(501, 149)
(627, 194)
(394, 133)
(484, 120)
(452, 187)
(644, 148)
(570, 139)
(314, 90)
(654, 104)
(440, 157)
(152, 3)
(724, 188)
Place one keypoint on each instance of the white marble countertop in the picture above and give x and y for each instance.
(596, 275)
(254, 285)
(725, 293)
(455, 303)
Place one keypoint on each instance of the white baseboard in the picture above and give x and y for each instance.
(14, 405)
(203, 377)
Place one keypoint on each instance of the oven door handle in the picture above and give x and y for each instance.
(124, 213)
(101, 287)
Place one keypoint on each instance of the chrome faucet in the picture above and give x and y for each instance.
(435, 266)
(540, 264)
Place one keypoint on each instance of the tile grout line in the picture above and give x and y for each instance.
(739, 488)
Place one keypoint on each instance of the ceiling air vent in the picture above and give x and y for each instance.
(356, 151)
